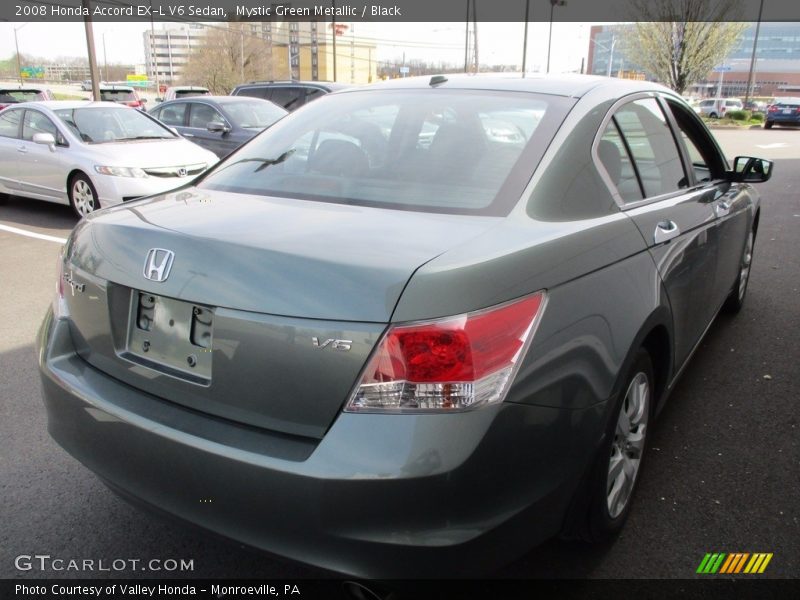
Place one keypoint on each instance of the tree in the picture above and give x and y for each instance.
(681, 41)
(226, 57)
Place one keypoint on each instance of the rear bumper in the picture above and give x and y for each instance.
(378, 496)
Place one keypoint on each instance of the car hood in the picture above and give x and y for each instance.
(271, 255)
(152, 153)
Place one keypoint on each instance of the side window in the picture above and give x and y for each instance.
(707, 162)
(202, 114)
(173, 114)
(36, 122)
(9, 123)
(289, 98)
(652, 147)
(618, 164)
(313, 94)
(254, 92)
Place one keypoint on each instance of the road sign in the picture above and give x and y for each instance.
(722, 69)
(404, 70)
(32, 72)
(137, 80)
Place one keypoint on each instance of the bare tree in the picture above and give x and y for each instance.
(226, 57)
(681, 41)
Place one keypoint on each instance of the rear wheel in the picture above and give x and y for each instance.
(3, 198)
(768, 124)
(713, 115)
(611, 483)
(735, 299)
(82, 195)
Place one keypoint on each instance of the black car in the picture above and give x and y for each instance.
(291, 95)
(218, 123)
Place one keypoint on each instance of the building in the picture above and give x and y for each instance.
(167, 50)
(776, 68)
(303, 50)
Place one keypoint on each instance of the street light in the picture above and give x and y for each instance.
(16, 45)
(553, 4)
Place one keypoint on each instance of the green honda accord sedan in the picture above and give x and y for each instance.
(412, 329)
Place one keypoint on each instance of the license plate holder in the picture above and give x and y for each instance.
(171, 336)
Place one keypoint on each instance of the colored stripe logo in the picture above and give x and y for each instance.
(733, 563)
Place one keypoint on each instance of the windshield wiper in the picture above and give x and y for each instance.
(142, 137)
(265, 162)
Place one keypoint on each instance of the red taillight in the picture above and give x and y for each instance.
(772, 109)
(2, 106)
(134, 103)
(454, 363)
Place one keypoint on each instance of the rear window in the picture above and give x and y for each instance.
(20, 95)
(189, 93)
(117, 95)
(452, 151)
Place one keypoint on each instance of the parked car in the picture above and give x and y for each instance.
(219, 123)
(86, 85)
(91, 154)
(756, 106)
(123, 94)
(785, 111)
(15, 95)
(183, 91)
(395, 359)
(716, 108)
(291, 95)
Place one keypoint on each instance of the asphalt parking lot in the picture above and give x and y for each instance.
(721, 476)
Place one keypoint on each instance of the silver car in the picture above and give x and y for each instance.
(92, 154)
(411, 329)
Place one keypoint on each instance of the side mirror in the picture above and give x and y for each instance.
(143, 100)
(750, 169)
(175, 131)
(45, 139)
(217, 127)
(159, 99)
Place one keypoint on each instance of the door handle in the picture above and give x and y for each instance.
(665, 231)
(722, 208)
(22, 150)
(187, 134)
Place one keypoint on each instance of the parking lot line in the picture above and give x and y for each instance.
(38, 236)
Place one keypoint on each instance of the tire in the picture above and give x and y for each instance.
(3, 198)
(603, 503)
(768, 124)
(82, 195)
(735, 301)
(713, 115)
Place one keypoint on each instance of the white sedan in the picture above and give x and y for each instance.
(92, 154)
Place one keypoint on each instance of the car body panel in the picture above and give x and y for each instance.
(785, 111)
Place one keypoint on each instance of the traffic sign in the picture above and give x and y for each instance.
(31, 72)
(722, 69)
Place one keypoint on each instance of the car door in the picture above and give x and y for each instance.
(10, 131)
(200, 115)
(729, 201)
(646, 172)
(42, 169)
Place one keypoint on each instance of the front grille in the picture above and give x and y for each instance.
(129, 198)
(176, 171)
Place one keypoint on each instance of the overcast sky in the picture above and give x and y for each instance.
(498, 43)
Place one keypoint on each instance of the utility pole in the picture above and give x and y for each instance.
(752, 58)
(242, 65)
(16, 45)
(553, 4)
(105, 56)
(333, 26)
(87, 23)
(475, 32)
(525, 37)
(466, 40)
(153, 48)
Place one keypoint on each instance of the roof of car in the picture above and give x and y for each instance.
(186, 87)
(217, 99)
(560, 85)
(70, 104)
(331, 85)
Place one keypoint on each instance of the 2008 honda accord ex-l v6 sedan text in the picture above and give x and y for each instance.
(411, 329)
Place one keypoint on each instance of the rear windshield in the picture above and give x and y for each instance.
(117, 95)
(188, 93)
(452, 151)
(20, 95)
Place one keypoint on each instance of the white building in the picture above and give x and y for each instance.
(167, 51)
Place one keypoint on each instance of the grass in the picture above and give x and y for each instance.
(68, 97)
(725, 122)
